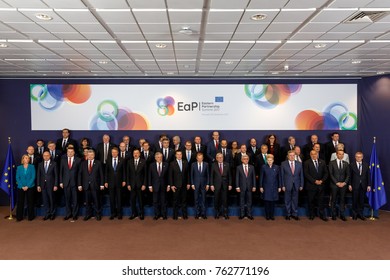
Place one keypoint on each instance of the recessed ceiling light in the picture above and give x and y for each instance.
(2, 45)
(65, 73)
(186, 30)
(258, 17)
(380, 73)
(42, 16)
(275, 73)
(320, 46)
(170, 73)
(186, 66)
(161, 46)
(103, 62)
(229, 62)
(356, 61)
(286, 67)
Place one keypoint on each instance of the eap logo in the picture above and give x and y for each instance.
(165, 106)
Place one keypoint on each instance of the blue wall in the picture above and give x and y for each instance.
(15, 118)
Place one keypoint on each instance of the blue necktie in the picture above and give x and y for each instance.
(180, 165)
(114, 164)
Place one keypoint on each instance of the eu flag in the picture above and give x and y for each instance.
(7, 182)
(377, 195)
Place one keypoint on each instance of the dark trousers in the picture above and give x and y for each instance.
(115, 193)
(136, 193)
(71, 201)
(48, 200)
(269, 207)
(358, 195)
(336, 193)
(92, 201)
(220, 200)
(245, 202)
(291, 201)
(24, 196)
(315, 197)
(200, 200)
(159, 202)
(180, 199)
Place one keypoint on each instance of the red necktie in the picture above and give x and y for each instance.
(220, 168)
(159, 169)
(246, 170)
(216, 144)
(69, 163)
(90, 166)
(292, 168)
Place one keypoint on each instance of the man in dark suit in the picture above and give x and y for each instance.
(188, 154)
(221, 183)
(159, 145)
(291, 143)
(47, 182)
(317, 147)
(360, 183)
(308, 147)
(168, 153)
(330, 147)
(62, 143)
(103, 150)
(40, 147)
(123, 154)
(34, 157)
(176, 143)
(129, 148)
(292, 183)
(198, 146)
(316, 174)
(252, 149)
(339, 177)
(55, 155)
(200, 184)
(147, 154)
(226, 153)
(242, 153)
(261, 159)
(212, 147)
(69, 170)
(115, 179)
(91, 180)
(245, 185)
(180, 183)
(158, 184)
(136, 183)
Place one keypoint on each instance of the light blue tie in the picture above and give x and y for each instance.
(180, 165)
(114, 164)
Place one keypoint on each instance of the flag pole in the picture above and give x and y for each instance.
(372, 218)
(10, 205)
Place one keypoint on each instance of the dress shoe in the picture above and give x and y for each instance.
(86, 218)
(67, 218)
(30, 219)
(185, 217)
(196, 217)
(226, 217)
(250, 217)
(141, 217)
(354, 217)
(334, 218)
(98, 217)
(46, 217)
(272, 218)
(288, 218)
(343, 218)
(204, 217)
(120, 217)
(241, 217)
(296, 218)
(132, 217)
(311, 217)
(165, 217)
(267, 218)
(155, 218)
(75, 218)
(361, 217)
(175, 217)
(216, 217)
(52, 217)
(325, 219)
(111, 217)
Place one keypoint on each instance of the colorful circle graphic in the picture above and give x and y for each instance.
(165, 106)
(77, 94)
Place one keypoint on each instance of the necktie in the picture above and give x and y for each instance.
(165, 154)
(220, 168)
(292, 167)
(254, 150)
(146, 155)
(46, 166)
(340, 165)
(265, 158)
(31, 160)
(224, 153)
(159, 169)
(105, 153)
(188, 156)
(197, 148)
(64, 144)
(335, 144)
(360, 168)
(90, 166)
(127, 148)
(180, 165)
(114, 164)
(51, 154)
(246, 170)
(316, 165)
(69, 162)
(216, 144)
(200, 168)
(122, 154)
(136, 164)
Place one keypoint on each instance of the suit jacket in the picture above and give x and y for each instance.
(92, 180)
(308, 147)
(242, 181)
(36, 160)
(251, 153)
(237, 159)
(179, 178)
(219, 180)
(270, 182)
(47, 179)
(211, 151)
(203, 149)
(171, 155)
(359, 181)
(200, 179)
(25, 179)
(70, 141)
(114, 178)
(155, 180)
(290, 180)
(311, 174)
(192, 158)
(284, 151)
(137, 178)
(150, 158)
(100, 151)
(259, 162)
(337, 175)
(56, 158)
(228, 158)
(276, 152)
(69, 177)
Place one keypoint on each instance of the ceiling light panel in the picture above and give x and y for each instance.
(124, 17)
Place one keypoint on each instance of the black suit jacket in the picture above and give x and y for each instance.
(203, 149)
(337, 175)
(150, 158)
(191, 159)
(158, 181)
(228, 158)
(137, 178)
(359, 181)
(219, 180)
(93, 180)
(171, 155)
(112, 177)
(57, 157)
(100, 151)
(69, 177)
(307, 149)
(311, 174)
(237, 159)
(70, 141)
(49, 179)
(179, 178)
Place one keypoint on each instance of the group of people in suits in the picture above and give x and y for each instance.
(176, 170)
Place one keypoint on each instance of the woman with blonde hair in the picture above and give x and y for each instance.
(25, 180)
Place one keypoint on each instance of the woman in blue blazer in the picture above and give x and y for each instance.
(25, 179)
(270, 186)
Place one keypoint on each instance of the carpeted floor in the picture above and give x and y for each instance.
(195, 239)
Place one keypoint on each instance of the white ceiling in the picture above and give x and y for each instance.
(119, 37)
